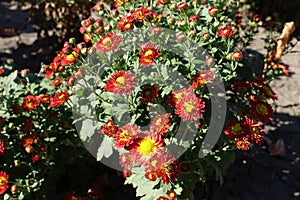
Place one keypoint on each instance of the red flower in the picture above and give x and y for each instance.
(178, 95)
(156, 29)
(240, 87)
(125, 23)
(194, 18)
(45, 98)
(190, 107)
(141, 14)
(108, 43)
(172, 194)
(109, 129)
(149, 93)
(126, 136)
(70, 81)
(262, 111)
(69, 59)
(236, 56)
(201, 78)
(162, 198)
(126, 161)
(59, 99)
(212, 11)
(148, 53)
(1, 70)
(162, 2)
(268, 92)
(168, 168)
(242, 144)
(235, 129)
(205, 36)
(255, 131)
(35, 157)
(30, 102)
(3, 182)
(160, 124)
(146, 148)
(182, 6)
(2, 148)
(226, 31)
(120, 83)
(150, 175)
(118, 3)
(56, 82)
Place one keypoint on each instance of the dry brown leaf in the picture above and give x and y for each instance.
(289, 28)
(277, 149)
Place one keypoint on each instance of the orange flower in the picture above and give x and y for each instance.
(201, 78)
(56, 82)
(30, 102)
(59, 99)
(118, 3)
(162, 2)
(108, 43)
(120, 83)
(3, 182)
(242, 144)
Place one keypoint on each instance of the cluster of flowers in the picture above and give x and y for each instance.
(255, 95)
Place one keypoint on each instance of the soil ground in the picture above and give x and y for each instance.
(255, 174)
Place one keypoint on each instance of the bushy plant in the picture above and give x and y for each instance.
(162, 91)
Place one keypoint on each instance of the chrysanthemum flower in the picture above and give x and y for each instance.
(31, 102)
(226, 31)
(69, 59)
(151, 175)
(242, 143)
(126, 136)
(141, 13)
(236, 55)
(2, 148)
(160, 124)
(255, 131)
(145, 148)
(261, 110)
(240, 87)
(126, 161)
(212, 11)
(56, 82)
(182, 6)
(149, 52)
(126, 23)
(178, 95)
(162, 2)
(108, 43)
(168, 169)
(149, 93)
(156, 29)
(109, 129)
(172, 194)
(59, 98)
(190, 107)
(201, 78)
(1, 70)
(3, 182)
(120, 83)
(45, 98)
(235, 129)
(118, 3)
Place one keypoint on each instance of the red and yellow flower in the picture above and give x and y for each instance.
(126, 23)
(109, 129)
(172, 194)
(126, 136)
(108, 43)
(120, 83)
(242, 143)
(3, 182)
(160, 124)
(190, 108)
(226, 31)
(235, 129)
(201, 78)
(168, 168)
(118, 3)
(178, 95)
(148, 53)
(59, 98)
(261, 110)
(31, 102)
(56, 82)
(141, 13)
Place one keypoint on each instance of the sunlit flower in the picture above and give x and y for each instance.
(56, 82)
(182, 6)
(148, 53)
(178, 95)
(126, 161)
(156, 29)
(141, 13)
(172, 194)
(201, 78)
(59, 98)
(3, 182)
(262, 111)
(118, 3)
(109, 129)
(45, 98)
(108, 43)
(190, 107)
(126, 23)
(236, 55)
(147, 147)
(162, 198)
(242, 143)
(168, 168)
(212, 11)
(31, 102)
(120, 83)
(162, 2)
(226, 31)
(151, 175)
(161, 123)
(125, 136)
(149, 93)
(205, 36)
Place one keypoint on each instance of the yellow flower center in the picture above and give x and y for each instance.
(124, 136)
(188, 106)
(120, 79)
(262, 109)
(147, 146)
(237, 129)
(3, 181)
(107, 42)
(225, 31)
(148, 52)
(70, 57)
(147, 93)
